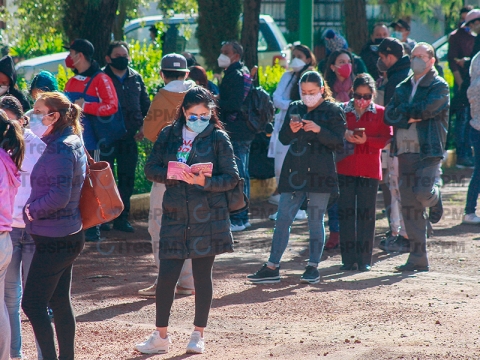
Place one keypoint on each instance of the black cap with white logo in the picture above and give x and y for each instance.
(174, 62)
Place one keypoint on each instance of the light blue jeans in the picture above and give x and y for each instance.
(5, 257)
(17, 272)
(288, 206)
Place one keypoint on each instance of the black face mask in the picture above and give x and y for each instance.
(119, 63)
(377, 41)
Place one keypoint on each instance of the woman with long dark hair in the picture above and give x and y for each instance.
(195, 220)
(314, 128)
(360, 173)
(12, 149)
(287, 91)
(339, 74)
(52, 218)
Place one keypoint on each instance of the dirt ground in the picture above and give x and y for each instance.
(348, 315)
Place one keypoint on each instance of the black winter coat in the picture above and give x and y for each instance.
(132, 97)
(396, 74)
(195, 220)
(430, 104)
(310, 162)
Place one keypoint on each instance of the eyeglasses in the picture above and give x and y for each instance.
(360, 96)
(196, 117)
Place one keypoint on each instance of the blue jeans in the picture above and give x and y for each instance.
(462, 133)
(17, 272)
(474, 186)
(333, 222)
(241, 149)
(288, 206)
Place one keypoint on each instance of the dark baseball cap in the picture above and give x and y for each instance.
(401, 23)
(82, 45)
(174, 62)
(389, 46)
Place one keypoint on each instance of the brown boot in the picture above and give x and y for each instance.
(333, 241)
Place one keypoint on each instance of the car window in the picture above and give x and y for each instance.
(192, 43)
(140, 34)
(442, 52)
(266, 39)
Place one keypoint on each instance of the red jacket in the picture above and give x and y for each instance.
(365, 161)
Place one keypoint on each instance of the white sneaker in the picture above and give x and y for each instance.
(154, 344)
(235, 228)
(247, 225)
(274, 199)
(149, 291)
(301, 215)
(196, 344)
(471, 219)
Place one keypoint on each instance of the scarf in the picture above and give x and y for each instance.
(342, 90)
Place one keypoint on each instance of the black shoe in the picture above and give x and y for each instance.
(436, 211)
(411, 267)
(265, 276)
(310, 276)
(123, 225)
(348, 267)
(395, 244)
(364, 268)
(106, 227)
(387, 234)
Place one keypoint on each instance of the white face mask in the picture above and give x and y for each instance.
(297, 64)
(224, 61)
(311, 100)
(3, 89)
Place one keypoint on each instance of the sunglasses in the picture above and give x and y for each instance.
(365, 97)
(195, 118)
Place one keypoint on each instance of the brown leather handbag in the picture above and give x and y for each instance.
(100, 201)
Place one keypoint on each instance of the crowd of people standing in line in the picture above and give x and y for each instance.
(333, 125)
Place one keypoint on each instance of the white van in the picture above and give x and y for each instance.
(272, 45)
(31, 67)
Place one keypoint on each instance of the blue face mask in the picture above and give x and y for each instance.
(36, 124)
(198, 124)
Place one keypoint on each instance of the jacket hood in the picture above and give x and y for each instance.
(7, 67)
(179, 86)
(12, 172)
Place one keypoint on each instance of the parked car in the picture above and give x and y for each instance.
(441, 48)
(31, 67)
(272, 45)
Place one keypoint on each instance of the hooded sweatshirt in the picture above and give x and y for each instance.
(7, 67)
(9, 183)
(164, 107)
(473, 92)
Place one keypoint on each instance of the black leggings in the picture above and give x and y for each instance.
(167, 280)
(48, 283)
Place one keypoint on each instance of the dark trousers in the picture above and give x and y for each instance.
(125, 153)
(241, 150)
(48, 283)
(356, 205)
(418, 192)
(462, 133)
(474, 186)
(167, 280)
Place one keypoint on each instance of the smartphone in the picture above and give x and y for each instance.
(358, 132)
(295, 118)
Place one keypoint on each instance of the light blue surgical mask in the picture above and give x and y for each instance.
(198, 125)
(37, 126)
(397, 35)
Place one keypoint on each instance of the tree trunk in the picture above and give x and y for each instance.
(250, 29)
(92, 20)
(356, 24)
(120, 19)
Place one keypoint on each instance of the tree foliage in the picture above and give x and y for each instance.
(218, 21)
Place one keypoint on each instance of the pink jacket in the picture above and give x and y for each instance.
(9, 183)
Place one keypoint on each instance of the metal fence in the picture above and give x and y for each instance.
(325, 14)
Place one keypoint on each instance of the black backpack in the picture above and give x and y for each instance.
(258, 109)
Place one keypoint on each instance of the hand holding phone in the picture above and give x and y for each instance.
(358, 132)
(296, 118)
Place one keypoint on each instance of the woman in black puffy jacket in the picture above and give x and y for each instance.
(195, 221)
